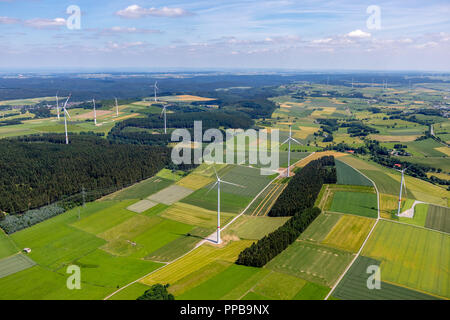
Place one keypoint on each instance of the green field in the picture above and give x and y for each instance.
(312, 291)
(320, 227)
(348, 175)
(438, 218)
(219, 285)
(311, 262)
(249, 227)
(131, 292)
(14, 264)
(7, 246)
(359, 203)
(411, 256)
(354, 285)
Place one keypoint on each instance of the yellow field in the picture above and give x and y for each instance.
(440, 175)
(349, 233)
(90, 114)
(304, 132)
(323, 112)
(387, 204)
(189, 214)
(318, 155)
(195, 260)
(383, 138)
(187, 98)
(443, 149)
(194, 181)
(208, 170)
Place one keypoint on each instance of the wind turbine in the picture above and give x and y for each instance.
(402, 184)
(117, 108)
(57, 105)
(155, 86)
(289, 150)
(218, 182)
(165, 118)
(95, 113)
(65, 118)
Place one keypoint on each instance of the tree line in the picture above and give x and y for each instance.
(300, 207)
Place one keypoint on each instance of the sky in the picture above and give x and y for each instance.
(245, 34)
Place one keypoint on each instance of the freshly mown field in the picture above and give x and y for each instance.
(412, 256)
(349, 233)
(13, 264)
(354, 285)
(140, 190)
(170, 195)
(359, 203)
(141, 206)
(348, 175)
(311, 262)
(438, 218)
(7, 246)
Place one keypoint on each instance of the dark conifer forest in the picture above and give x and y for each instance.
(39, 170)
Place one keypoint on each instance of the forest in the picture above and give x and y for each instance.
(297, 200)
(39, 170)
(304, 186)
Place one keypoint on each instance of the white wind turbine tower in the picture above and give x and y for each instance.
(402, 185)
(165, 118)
(65, 118)
(155, 86)
(57, 105)
(117, 108)
(218, 182)
(95, 113)
(289, 150)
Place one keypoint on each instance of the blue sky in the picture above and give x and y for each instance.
(154, 35)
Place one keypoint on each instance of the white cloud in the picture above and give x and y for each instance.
(8, 20)
(134, 12)
(40, 23)
(358, 34)
(125, 30)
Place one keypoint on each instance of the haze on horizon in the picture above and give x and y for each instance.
(137, 34)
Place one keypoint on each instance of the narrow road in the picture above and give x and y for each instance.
(204, 240)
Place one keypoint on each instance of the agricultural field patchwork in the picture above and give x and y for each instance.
(349, 233)
(170, 195)
(348, 175)
(315, 263)
(354, 285)
(140, 190)
(411, 256)
(7, 246)
(358, 203)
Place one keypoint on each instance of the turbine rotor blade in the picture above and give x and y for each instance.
(296, 141)
(212, 187)
(285, 141)
(216, 173)
(233, 184)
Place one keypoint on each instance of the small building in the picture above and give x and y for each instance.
(26, 250)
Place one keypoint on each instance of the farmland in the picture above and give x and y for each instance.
(411, 256)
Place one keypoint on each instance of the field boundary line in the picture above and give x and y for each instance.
(201, 242)
(363, 244)
(413, 225)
